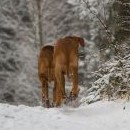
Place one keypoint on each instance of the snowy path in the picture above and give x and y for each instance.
(97, 116)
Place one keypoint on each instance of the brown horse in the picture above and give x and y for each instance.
(66, 62)
(46, 72)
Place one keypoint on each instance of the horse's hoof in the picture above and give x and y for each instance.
(72, 96)
(52, 105)
(47, 103)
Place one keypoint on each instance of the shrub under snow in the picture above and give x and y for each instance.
(112, 81)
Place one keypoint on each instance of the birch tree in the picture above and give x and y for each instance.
(36, 14)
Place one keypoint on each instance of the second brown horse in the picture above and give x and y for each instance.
(46, 72)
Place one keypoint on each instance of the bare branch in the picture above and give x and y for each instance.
(108, 32)
(104, 11)
(92, 12)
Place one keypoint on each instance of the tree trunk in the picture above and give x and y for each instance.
(40, 29)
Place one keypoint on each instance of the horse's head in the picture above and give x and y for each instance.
(81, 41)
(78, 40)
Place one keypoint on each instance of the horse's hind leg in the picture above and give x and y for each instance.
(60, 88)
(75, 88)
(45, 98)
(54, 94)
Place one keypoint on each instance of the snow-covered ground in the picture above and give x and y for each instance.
(97, 116)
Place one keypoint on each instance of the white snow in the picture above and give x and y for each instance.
(101, 115)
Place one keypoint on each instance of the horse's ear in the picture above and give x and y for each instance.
(81, 41)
